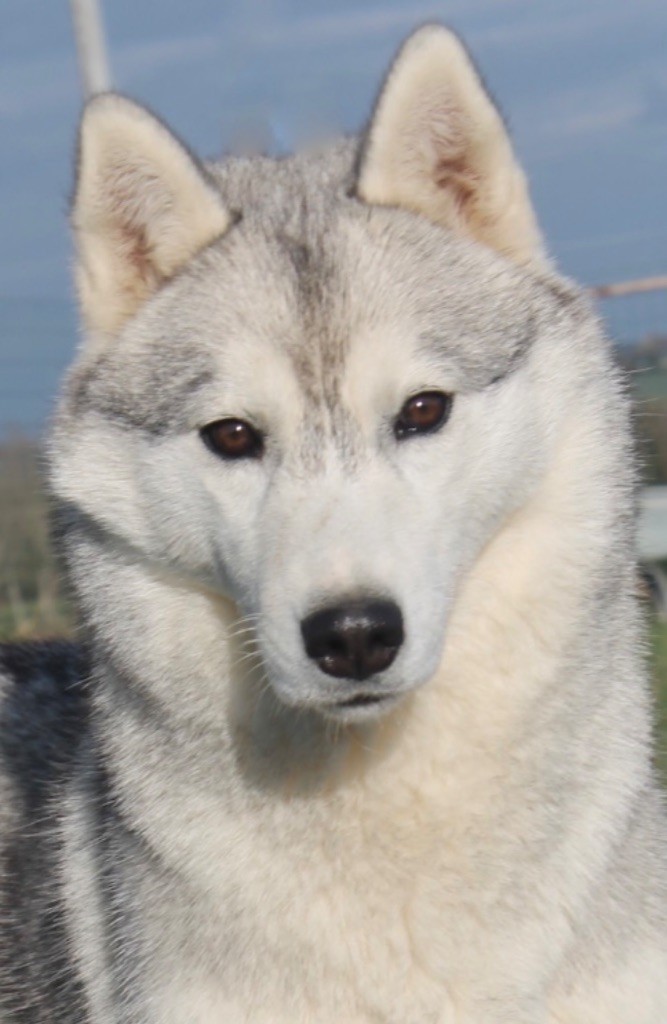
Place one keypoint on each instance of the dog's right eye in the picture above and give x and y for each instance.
(233, 439)
(423, 413)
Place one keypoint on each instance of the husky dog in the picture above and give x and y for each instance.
(360, 729)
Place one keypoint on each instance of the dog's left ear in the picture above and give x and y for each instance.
(437, 145)
(143, 206)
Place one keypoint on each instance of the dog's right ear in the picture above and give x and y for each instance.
(142, 207)
(437, 145)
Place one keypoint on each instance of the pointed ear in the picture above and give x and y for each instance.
(142, 207)
(437, 145)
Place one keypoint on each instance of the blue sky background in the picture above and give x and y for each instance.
(582, 82)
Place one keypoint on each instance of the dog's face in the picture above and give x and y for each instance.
(324, 408)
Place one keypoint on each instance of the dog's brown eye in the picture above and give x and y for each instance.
(423, 413)
(233, 439)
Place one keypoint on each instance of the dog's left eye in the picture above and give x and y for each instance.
(233, 439)
(423, 414)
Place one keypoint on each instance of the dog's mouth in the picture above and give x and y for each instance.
(361, 707)
(364, 700)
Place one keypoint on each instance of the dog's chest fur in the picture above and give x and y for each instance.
(321, 906)
(388, 882)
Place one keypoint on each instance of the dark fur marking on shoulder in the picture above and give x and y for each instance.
(43, 719)
(46, 709)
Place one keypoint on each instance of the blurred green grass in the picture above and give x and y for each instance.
(659, 667)
(650, 383)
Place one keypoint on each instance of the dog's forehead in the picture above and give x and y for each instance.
(345, 259)
(319, 278)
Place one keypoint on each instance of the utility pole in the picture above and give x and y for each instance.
(644, 284)
(91, 47)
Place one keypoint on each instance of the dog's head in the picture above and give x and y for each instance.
(317, 386)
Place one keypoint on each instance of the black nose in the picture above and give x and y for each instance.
(354, 640)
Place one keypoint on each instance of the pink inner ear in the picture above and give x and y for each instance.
(133, 197)
(459, 179)
(138, 251)
(444, 126)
